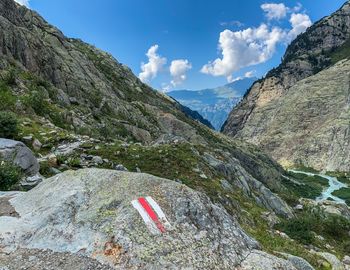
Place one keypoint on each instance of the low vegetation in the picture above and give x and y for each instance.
(8, 125)
(343, 193)
(10, 175)
(310, 223)
(305, 186)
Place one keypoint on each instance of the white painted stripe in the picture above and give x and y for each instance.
(148, 221)
(159, 212)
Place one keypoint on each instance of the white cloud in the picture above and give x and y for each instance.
(178, 69)
(232, 23)
(253, 45)
(244, 48)
(300, 22)
(23, 2)
(154, 65)
(275, 11)
(248, 74)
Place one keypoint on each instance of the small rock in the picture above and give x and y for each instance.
(27, 139)
(97, 160)
(36, 145)
(346, 260)
(54, 171)
(138, 170)
(120, 167)
(105, 160)
(52, 160)
(299, 207)
(226, 185)
(73, 101)
(271, 218)
(178, 181)
(97, 147)
(202, 175)
(31, 181)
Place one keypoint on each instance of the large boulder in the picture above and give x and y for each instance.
(90, 213)
(19, 154)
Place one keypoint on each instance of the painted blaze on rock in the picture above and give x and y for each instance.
(152, 215)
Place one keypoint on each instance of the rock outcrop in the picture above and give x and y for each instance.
(17, 153)
(89, 212)
(20, 155)
(297, 117)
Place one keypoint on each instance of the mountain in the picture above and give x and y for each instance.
(299, 112)
(105, 142)
(214, 104)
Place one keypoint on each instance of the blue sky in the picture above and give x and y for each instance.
(187, 32)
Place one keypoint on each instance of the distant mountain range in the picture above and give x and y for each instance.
(214, 104)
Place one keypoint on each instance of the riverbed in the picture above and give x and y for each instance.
(334, 185)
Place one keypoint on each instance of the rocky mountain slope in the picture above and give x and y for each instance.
(80, 111)
(303, 121)
(214, 104)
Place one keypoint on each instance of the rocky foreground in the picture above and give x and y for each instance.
(89, 213)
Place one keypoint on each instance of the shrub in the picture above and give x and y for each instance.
(8, 125)
(299, 229)
(7, 99)
(10, 175)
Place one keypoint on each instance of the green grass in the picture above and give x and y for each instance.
(343, 193)
(343, 52)
(310, 186)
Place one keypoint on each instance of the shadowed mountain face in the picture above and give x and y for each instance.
(214, 104)
(297, 116)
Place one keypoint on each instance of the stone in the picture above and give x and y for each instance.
(271, 218)
(346, 260)
(226, 185)
(73, 101)
(31, 181)
(333, 260)
(299, 207)
(52, 160)
(97, 160)
(138, 170)
(27, 139)
(120, 167)
(258, 260)
(298, 262)
(19, 154)
(36, 145)
(64, 224)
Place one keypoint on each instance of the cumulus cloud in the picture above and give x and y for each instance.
(178, 69)
(300, 22)
(154, 65)
(244, 48)
(275, 11)
(23, 2)
(256, 45)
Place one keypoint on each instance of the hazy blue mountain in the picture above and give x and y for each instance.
(214, 104)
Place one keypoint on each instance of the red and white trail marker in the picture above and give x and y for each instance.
(152, 215)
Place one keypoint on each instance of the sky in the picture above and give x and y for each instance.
(187, 44)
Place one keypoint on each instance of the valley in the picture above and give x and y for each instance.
(98, 170)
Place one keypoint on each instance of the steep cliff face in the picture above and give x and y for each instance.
(269, 118)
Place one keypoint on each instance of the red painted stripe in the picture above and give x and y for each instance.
(151, 214)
